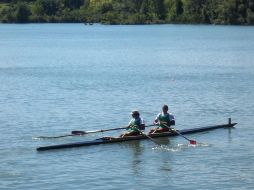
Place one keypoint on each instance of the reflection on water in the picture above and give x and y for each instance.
(163, 141)
(229, 135)
(136, 151)
(166, 165)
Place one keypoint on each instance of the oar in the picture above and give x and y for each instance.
(96, 131)
(80, 133)
(102, 130)
(193, 142)
(47, 137)
(148, 135)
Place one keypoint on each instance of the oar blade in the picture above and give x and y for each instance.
(78, 132)
(193, 142)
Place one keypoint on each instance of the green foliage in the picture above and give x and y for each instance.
(250, 17)
(21, 13)
(129, 11)
(18, 13)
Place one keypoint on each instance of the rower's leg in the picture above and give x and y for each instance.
(156, 131)
(125, 134)
(153, 131)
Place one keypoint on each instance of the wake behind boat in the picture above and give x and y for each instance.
(139, 137)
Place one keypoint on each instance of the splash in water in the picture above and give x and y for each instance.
(180, 147)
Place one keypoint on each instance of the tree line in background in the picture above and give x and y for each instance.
(128, 11)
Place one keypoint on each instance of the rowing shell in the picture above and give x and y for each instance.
(131, 138)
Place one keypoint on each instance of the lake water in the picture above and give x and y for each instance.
(55, 78)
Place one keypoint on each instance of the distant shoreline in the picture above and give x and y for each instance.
(150, 24)
(128, 12)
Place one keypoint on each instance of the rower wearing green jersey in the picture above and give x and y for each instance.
(164, 120)
(136, 125)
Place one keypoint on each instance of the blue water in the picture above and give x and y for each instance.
(55, 78)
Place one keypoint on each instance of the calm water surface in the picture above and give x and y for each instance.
(55, 78)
